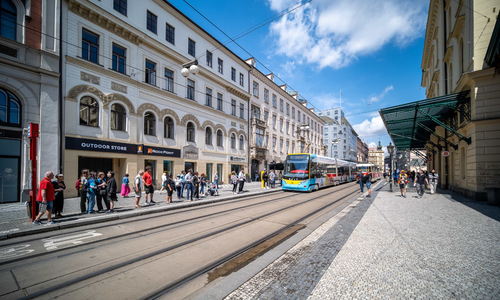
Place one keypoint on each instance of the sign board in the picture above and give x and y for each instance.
(149, 150)
(445, 153)
(97, 145)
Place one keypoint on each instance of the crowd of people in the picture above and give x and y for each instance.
(421, 180)
(267, 179)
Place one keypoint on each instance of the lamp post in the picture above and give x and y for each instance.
(390, 148)
(334, 142)
(190, 67)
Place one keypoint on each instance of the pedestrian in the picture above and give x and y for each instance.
(147, 180)
(420, 183)
(196, 185)
(189, 184)
(102, 193)
(163, 182)
(203, 183)
(265, 179)
(45, 199)
(125, 188)
(234, 181)
(83, 190)
(433, 179)
(91, 191)
(170, 187)
(178, 184)
(256, 176)
(272, 178)
(403, 183)
(241, 179)
(111, 188)
(216, 179)
(368, 182)
(138, 187)
(360, 180)
(59, 188)
(183, 183)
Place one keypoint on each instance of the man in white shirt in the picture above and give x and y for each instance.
(138, 187)
(241, 180)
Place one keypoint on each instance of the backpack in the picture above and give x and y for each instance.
(78, 184)
(404, 179)
(83, 186)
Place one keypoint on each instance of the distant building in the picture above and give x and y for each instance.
(376, 156)
(340, 138)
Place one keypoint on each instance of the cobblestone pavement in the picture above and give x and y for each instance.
(14, 220)
(441, 246)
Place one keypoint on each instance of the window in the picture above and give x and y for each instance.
(168, 128)
(90, 45)
(89, 112)
(274, 121)
(281, 124)
(219, 138)
(209, 58)
(220, 63)
(219, 102)
(259, 137)
(233, 74)
(118, 117)
(242, 79)
(119, 58)
(293, 129)
(266, 115)
(256, 89)
(266, 96)
(191, 47)
(150, 72)
(274, 101)
(242, 111)
(293, 112)
(208, 98)
(169, 80)
(190, 132)
(8, 25)
(287, 127)
(298, 116)
(208, 136)
(287, 146)
(149, 124)
(287, 109)
(242, 143)
(233, 107)
(281, 105)
(233, 141)
(274, 144)
(170, 34)
(120, 6)
(190, 89)
(281, 145)
(255, 112)
(151, 22)
(10, 109)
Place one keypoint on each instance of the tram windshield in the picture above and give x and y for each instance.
(297, 167)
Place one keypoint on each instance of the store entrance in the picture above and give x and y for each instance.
(94, 164)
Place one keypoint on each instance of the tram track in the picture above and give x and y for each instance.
(163, 251)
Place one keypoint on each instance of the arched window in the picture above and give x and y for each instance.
(149, 124)
(89, 112)
(242, 143)
(208, 136)
(10, 109)
(8, 15)
(168, 128)
(118, 117)
(233, 141)
(190, 132)
(219, 138)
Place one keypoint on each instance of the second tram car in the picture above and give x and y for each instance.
(308, 172)
(372, 168)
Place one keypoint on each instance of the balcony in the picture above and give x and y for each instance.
(259, 123)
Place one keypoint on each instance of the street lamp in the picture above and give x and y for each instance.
(335, 141)
(190, 67)
(390, 148)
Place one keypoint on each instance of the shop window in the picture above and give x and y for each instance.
(168, 126)
(149, 124)
(10, 109)
(89, 112)
(118, 117)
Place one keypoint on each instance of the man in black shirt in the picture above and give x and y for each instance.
(420, 183)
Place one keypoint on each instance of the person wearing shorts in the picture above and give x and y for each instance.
(149, 189)
(368, 182)
(138, 188)
(403, 183)
(45, 199)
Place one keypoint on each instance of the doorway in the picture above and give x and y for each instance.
(189, 165)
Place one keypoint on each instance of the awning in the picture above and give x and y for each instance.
(411, 125)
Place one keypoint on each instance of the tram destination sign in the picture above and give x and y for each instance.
(101, 146)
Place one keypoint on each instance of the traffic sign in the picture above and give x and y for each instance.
(446, 153)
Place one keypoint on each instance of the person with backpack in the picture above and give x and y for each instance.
(91, 191)
(138, 188)
(360, 180)
(83, 191)
(403, 183)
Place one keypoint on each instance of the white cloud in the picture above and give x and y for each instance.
(371, 128)
(334, 33)
(380, 96)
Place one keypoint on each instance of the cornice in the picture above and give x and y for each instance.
(457, 29)
(430, 33)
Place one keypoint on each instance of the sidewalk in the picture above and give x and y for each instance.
(386, 247)
(14, 220)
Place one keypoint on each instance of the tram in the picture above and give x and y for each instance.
(308, 172)
(368, 167)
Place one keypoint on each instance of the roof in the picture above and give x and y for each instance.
(411, 125)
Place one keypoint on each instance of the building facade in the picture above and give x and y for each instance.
(339, 136)
(129, 105)
(29, 93)
(376, 156)
(362, 153)
(461, 53)
(280, 124)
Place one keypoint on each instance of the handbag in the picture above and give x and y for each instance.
(102, 192)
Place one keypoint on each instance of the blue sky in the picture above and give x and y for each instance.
(371, 50)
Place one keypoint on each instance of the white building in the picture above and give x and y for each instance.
(29, 93)
(339, 136)
(280, 124)
(128, 106)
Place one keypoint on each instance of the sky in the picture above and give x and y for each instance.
(364, 55)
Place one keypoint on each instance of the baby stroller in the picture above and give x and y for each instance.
(212, 190)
